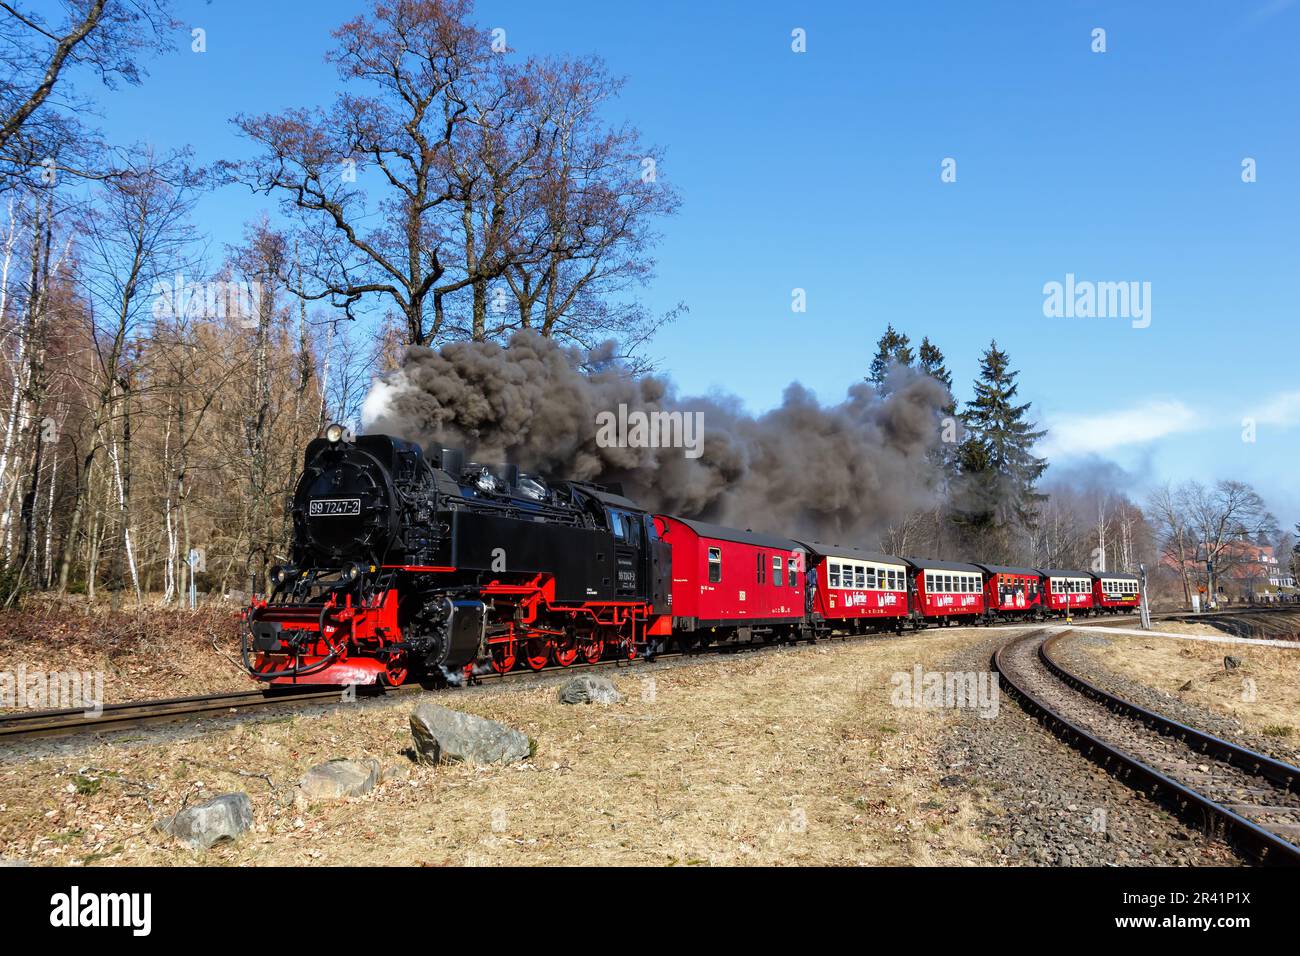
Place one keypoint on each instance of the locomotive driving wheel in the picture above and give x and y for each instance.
(593, 649)
(504, 656)
(537, 652)
(565, 649)
(396, 670)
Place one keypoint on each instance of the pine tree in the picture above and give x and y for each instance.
(932, 364)
(894, 348)
(997, 499)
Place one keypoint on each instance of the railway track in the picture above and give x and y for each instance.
(53, 723)
(56, 723)
(1247, 796)
(21, 726)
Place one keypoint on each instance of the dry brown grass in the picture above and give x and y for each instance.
(143, 653)
(1264, 693)
(794, 757)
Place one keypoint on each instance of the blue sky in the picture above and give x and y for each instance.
(821, 171)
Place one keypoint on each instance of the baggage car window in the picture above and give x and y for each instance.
(715, 565)
(778, 577)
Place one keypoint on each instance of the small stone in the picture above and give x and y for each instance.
(222, 818)
(1231, 663)
(397, 771)
(340, 779)
(589, 689)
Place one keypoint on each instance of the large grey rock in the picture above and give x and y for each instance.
(443, 735)
(339, 779)
(221, 818)
(589, 689)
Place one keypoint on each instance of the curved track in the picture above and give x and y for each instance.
(1211, 782)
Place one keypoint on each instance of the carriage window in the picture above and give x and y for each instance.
(862, 577)
(833, 574)
(947, 583)
(778, 578)
(715, 565)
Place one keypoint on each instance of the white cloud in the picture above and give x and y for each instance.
(1281, 409)
(1071, 434)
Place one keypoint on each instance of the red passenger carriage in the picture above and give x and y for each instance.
(945, 590)
(1067, 591)
(1116, 593)
(855, 590)
(1011, 592)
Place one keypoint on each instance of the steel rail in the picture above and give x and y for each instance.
(1263, 844)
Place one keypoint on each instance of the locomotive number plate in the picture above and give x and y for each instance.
(333, 507)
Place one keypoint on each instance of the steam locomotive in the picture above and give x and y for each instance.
(406, 566)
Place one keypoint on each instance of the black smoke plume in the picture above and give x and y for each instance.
(841, 473)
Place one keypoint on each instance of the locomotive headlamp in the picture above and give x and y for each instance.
(351, 571)
(334, 433)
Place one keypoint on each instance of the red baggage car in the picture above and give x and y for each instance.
(725, 579)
